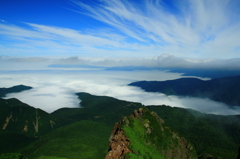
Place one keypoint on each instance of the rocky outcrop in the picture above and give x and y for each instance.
(7, 121)
(25, 128)
(119, 143)
(36, 123)
(52, 123)
(143, 134)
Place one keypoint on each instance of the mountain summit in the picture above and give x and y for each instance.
(145, 135)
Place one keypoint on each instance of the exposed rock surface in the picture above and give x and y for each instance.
(8, 118)
(151, 130)
(21, 118)
(119, 143)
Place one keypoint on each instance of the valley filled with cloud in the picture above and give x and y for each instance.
(56, 89)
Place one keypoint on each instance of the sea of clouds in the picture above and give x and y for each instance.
(54, 89)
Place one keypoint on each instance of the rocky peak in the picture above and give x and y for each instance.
(119, 143)
(144, 135)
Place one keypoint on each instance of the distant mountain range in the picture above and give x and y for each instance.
(84, 132)
(166, 60)
(212, 68)
(224, 90)
(162, 61)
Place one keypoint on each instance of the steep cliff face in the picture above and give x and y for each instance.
(119, 143)
(144, 135)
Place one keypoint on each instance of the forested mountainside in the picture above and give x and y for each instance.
(84, 132)
(224, 90)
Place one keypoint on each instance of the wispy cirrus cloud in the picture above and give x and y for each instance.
(189, 28)
(1, 20)
(195, 28)
(36, 39)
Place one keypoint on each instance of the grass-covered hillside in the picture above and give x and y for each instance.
(103, 109)
(83, 139)
(22, 124)
(145, 135)
(85, 131)
(21, 118)
(211, 135)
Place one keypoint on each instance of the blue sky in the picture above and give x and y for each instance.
(120, 28)
(38, 34)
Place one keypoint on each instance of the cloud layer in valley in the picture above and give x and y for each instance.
(53, 90)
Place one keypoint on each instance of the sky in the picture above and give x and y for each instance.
(120, 28)
(61, 47)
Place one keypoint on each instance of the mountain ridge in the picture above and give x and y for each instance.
(144, 134)
(14, 89)
(211, 135)
(21, 118)
(219, 89)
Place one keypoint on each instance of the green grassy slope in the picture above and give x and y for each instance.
(18, 125)
(21, 118)
(97, 108)
(150, 138)
(84, 139)
(211, 134)
(12, 142)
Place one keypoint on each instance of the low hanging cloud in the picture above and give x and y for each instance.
(47, 98)
(52, 91)
(79, 63)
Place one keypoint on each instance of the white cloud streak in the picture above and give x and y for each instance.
(190, 28)
(55, 41)
(209, 28)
